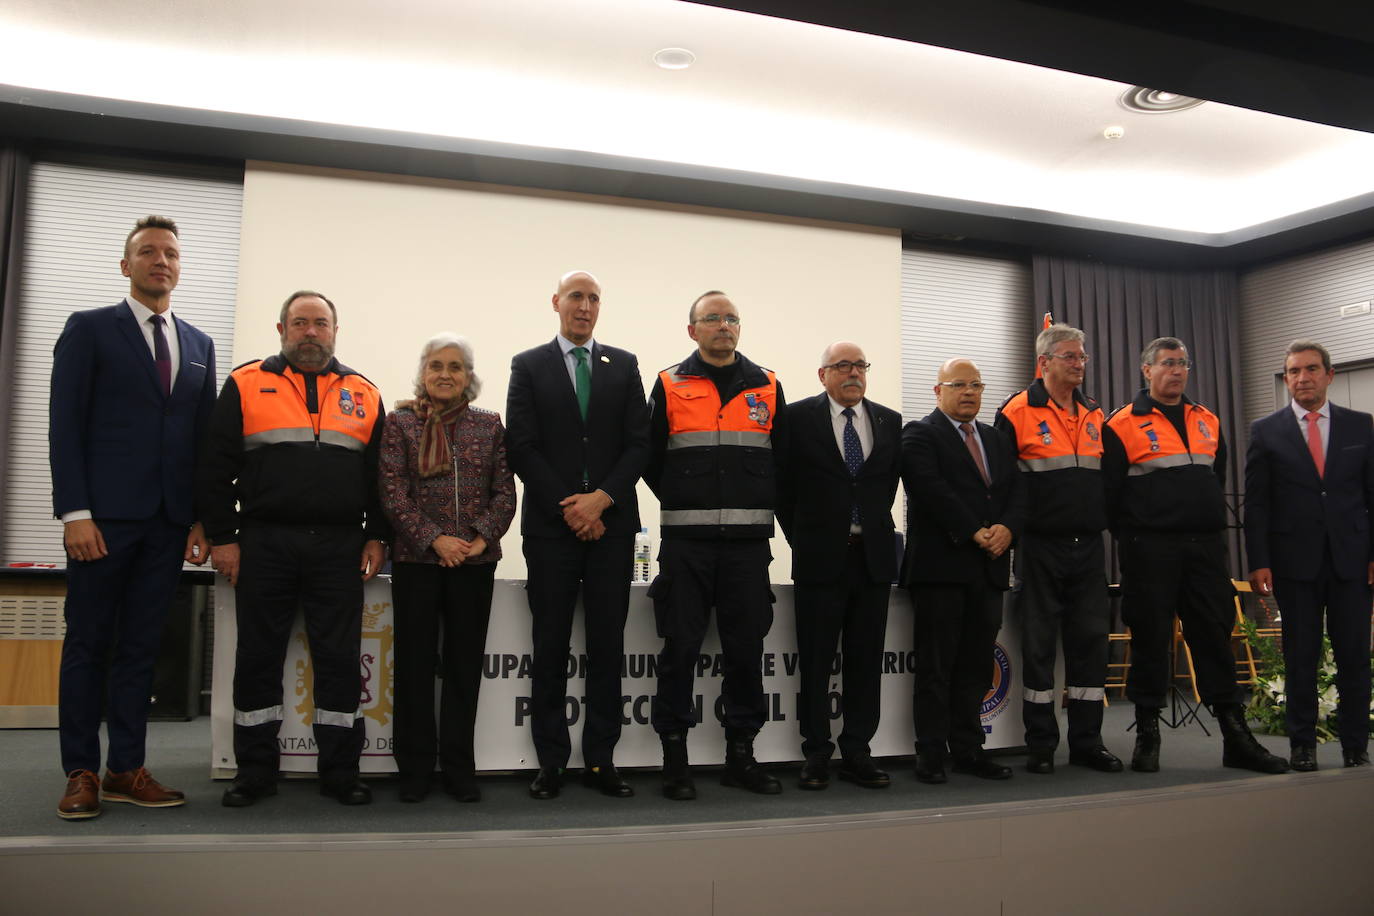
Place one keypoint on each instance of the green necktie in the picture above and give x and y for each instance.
(584, 380)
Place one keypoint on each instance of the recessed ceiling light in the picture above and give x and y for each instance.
(674, 58)
(1156, 101)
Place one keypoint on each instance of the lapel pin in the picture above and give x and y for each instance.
(605, 359)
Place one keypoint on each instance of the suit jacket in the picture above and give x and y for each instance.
(117, 445)
(550, 446)
(947, 501)
(1291, 514)
(817, 492)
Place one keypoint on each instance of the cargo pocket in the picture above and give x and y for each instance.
(659, 591)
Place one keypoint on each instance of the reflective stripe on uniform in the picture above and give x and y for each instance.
(275, 436)
(1059, 462)
(1164, 462)
(720, 437)
(250, 717)
(1037, 696)
(1092, 694)
(344, 440)
(339, 719)
(716, 517)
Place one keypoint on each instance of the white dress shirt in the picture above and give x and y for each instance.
(977, 437)
(141, 314)
(570, 358)
(837, 424)
(1323, 423)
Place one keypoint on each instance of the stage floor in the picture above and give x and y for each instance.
(179, 756)
(1193, 838)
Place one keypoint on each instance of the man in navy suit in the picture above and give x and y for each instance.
(1309, 487)
(965, 505)
(577, 435)
(132, 390)
(835, 507)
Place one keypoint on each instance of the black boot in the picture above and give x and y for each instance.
(1145, 759)
(1239, 748)
(743, 772)
(677, 779)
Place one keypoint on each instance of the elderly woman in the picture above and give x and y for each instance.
(450, 496)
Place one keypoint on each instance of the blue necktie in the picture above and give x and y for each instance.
(162, 356)
(853, 455)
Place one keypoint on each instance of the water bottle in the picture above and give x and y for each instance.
(644, 551)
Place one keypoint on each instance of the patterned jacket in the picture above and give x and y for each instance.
(422, 509)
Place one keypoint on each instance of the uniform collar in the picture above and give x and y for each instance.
(1037, 395)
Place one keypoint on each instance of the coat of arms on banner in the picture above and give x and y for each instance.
(376, 661)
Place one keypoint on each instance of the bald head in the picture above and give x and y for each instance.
(845, 383)
(959, 389)
(578, 304)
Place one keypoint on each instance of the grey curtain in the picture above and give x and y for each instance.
(1121, 309)
(14, 176)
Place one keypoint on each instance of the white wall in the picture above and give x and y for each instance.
(403, 258)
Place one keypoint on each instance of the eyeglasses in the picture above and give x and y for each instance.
(975, 387)
(1175, 363)
(1071, 358)
(730, 321)
(846, 366)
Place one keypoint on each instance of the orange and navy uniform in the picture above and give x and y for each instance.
(293, 448)
(1156, 479)
(1060, 454)
(713, 465)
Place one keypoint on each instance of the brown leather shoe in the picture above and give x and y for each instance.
(82, 799)
(138, 787)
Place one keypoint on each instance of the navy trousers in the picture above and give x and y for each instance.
(116, 608)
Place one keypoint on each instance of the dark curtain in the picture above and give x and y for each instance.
(1121, 309)
(14, 177)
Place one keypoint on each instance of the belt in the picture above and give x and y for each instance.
(855, 539)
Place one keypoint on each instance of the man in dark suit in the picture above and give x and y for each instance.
(835, 506)
(965, 505)
(1309, 487)
(577, 435)
(132, 390)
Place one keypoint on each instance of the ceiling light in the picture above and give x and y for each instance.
(674, 58)
(1115, 132)
(1156, 101)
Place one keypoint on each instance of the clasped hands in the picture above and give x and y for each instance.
(994, 540)
(453, 551)
(582, 513)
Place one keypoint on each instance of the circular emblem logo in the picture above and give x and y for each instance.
(995, 700)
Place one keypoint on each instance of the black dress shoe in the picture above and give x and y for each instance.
(982, 767)
(862, 771)
(1040, 760)
(815, 773)
(1303, 759)
(1355, 757)
(347, 791)
(413, 788)
(243, 792)
(1096, 758)
(607, 780)
(547, 783)
(462, 787)
(930, 769)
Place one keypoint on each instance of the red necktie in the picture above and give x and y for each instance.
(1314, 443)
(975, 451)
